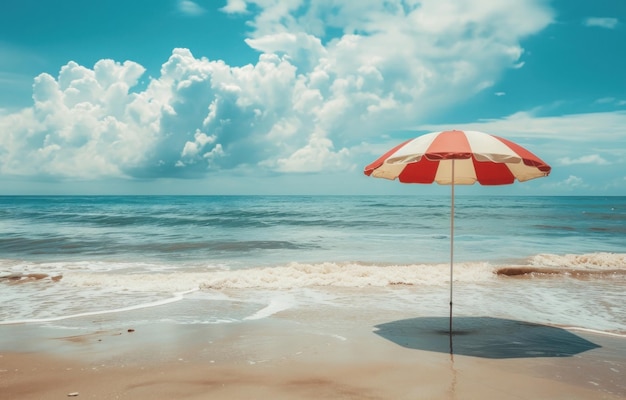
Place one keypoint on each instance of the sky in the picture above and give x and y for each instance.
(211, 97)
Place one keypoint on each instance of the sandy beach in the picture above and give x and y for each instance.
(305, 355)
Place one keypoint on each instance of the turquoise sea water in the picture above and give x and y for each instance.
(273, 253)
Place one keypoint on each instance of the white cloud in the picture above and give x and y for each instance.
(500, 94)
(569, 184)
(587, 159)
(234, 7)
(193, 148)
(190, 8)
(317, 155)
(608, 23)
(590, 127)
(605, 100)
(610, 100)
(572, 182)
(75, 127)
(300, 108)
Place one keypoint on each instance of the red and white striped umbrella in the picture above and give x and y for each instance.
(476, 156)
(458, 158)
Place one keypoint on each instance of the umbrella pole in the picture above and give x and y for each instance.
(451, 246)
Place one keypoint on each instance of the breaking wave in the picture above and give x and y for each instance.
(156, 278)
(581, 266)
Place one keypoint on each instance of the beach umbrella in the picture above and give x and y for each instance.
(458, 158)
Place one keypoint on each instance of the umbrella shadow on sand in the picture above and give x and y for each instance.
(484, 337)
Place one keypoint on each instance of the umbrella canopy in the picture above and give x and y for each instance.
(458, 158)
(478, 157)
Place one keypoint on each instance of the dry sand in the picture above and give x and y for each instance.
(283, 358)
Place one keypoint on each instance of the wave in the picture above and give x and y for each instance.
(590, 261)
(581, 266)
(600, 265)
(155, 278)
(98, 246)
(174, 219)
(91, 288)
(293, 275)
(146, 277)
(298, 275)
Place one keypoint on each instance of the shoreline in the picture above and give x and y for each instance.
(297, 355)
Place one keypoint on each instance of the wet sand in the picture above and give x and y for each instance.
(292, 356)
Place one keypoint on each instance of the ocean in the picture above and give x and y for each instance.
(225, 259)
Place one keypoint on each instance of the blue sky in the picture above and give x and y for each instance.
(296, 97)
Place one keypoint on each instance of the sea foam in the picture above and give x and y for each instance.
(588, 261)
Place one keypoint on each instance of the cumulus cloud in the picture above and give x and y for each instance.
(235, 6)
(76, 126)
(569, 184)
(607, 23)
(588, 159)
(312, 95)
(190, 8)
(572, 182)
